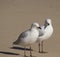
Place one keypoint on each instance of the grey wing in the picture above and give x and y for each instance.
(41, 33)
(22, 35)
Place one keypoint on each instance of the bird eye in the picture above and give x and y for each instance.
(48, 23)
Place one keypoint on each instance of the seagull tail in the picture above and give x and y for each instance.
(15, 43)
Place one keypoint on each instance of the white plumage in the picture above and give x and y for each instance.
(47, 31)
(28, 37)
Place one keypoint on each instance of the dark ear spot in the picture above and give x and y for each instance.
(48, 23)
(39, 27)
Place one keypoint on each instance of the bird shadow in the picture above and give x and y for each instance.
(21, 48)
(43, 52)
(9, 53)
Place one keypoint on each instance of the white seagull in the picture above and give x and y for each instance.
(45, 33)
(28, 37)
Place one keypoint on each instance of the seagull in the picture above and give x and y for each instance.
(28, 37)
(45, 33)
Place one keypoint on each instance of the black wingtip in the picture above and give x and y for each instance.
(14, 43)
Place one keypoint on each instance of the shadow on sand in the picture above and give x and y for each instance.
(9, 53)
(43, 52)
(21, 48)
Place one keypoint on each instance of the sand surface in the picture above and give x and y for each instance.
(17, 16)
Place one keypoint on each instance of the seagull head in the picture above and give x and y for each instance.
(47, 22)
(35, 25)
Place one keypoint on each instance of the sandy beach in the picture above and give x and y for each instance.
(17, 15)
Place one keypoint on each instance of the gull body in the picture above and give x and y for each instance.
(47, 31)
(28, 37)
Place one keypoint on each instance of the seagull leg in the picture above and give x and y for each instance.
(39, 47)
(42, 51)
(30, 52)
(25, 52)
(42, 47)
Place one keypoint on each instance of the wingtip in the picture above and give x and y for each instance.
(14, 43)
